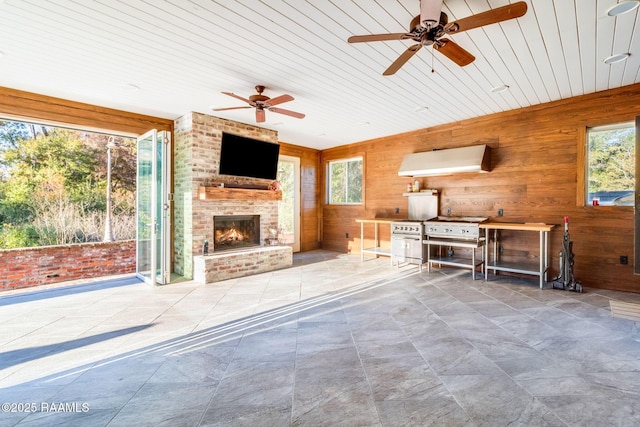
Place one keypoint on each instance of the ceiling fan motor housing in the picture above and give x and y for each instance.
(428, 36)
(259, 97)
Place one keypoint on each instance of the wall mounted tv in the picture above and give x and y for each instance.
(248, 157)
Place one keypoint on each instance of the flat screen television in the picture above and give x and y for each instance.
(248, 157)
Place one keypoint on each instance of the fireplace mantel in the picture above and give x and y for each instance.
(223, 193)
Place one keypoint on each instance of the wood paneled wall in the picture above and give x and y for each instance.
(17, 104)
(310, 194)
(537, 166)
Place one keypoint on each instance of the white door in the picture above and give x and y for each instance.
(289, 206)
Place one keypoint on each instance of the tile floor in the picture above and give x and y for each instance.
(330, 342)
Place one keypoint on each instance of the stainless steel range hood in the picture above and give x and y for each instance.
(476, 158)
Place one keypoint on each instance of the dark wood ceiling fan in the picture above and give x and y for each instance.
(431, 26)
(261, 103)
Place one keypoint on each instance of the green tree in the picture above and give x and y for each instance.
(612, 159)
(345, 180)
(11, 132)
(53, 185)
(60, 155)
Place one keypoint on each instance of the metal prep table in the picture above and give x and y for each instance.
(376, 250)
(496, 265)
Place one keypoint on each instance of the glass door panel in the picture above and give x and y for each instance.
(289, 206)
(153, 208)
(145, 229)
(163, 192)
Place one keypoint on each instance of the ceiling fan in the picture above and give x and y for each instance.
(262, 102)
(431, 26)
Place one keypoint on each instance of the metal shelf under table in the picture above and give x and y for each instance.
(377, 250)
(536, 269)
(456, 261)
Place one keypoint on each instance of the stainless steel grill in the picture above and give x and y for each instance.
(444, 235)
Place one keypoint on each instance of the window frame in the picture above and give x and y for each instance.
(583, 161)
(329, 163)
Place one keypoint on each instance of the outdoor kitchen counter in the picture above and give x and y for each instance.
(376, 249)
(496, 265)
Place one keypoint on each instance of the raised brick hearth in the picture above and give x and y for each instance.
(231, 264)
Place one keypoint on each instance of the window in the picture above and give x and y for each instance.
(345, 181)
(611, 165)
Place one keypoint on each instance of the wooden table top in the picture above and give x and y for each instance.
(527, 226)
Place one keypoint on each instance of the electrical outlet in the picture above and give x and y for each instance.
(500, 249)
(397, 210)
(346, 235)
(500, 212)
(624, 260)
(448, 211)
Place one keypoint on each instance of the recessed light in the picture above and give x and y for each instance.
(364, 124)
(616, 58)
(623, 7)
(499, 89)
(130, 87)
(420, 109)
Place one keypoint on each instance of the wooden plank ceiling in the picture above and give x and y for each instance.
(168, 57)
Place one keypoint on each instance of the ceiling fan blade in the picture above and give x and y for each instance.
(375, 37)
(260, 115)
(493, 16)
(279, 100)
(229, 108)
(402, 59)
(287, 112)
(454, 52)
(238, 97)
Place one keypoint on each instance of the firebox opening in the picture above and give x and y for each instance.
(235, 231)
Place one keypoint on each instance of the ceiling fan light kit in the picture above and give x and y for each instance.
(430, 13)
(431, 26)
(261, 103)
(623, 7)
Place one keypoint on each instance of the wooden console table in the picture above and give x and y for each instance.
(496, 265)
(376, 249)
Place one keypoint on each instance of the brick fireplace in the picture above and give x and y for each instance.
(199, 198)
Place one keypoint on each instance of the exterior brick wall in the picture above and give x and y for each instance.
(27, 267)
(197, 143)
